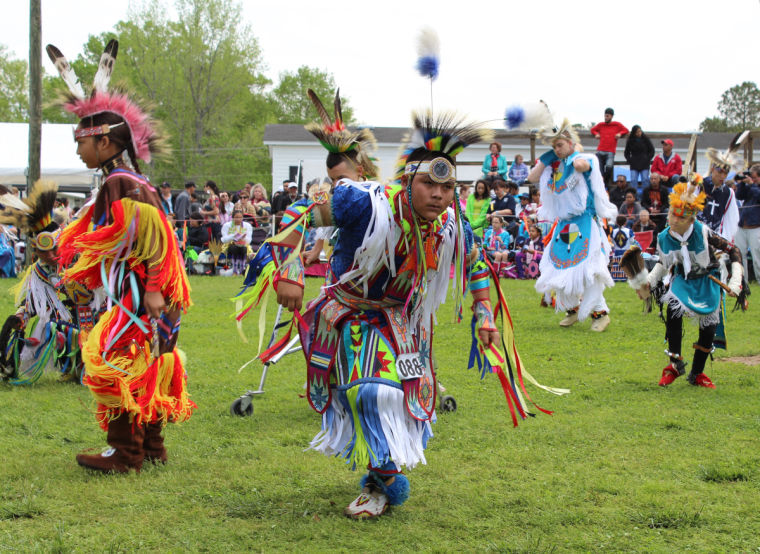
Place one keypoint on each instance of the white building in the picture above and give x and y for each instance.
(292, 147)
(58, 161)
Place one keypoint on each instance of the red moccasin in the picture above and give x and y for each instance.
(669, 374)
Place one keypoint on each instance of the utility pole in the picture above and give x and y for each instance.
(35, 93)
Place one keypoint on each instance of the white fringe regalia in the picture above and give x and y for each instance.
(38, 296)
(574, 265)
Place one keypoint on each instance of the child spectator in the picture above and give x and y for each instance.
(518, 171)
(622, 236)
(630, 208)
(464, 194)
(496, 243)
(524, 201)
(477, 207)
(530, 252)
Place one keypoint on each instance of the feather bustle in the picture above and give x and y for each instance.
(37, 208)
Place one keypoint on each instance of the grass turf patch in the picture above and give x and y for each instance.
(622, 464)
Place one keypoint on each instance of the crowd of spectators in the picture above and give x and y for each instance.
(239, 220)
(642, 201)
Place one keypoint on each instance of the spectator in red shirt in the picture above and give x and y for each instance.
(667, 164)
(608, 132)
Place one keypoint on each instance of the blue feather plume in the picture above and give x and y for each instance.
(428, 53)
(515, 116)
(530, 116)
(428, 66)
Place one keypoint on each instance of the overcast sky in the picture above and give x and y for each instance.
(662, 64)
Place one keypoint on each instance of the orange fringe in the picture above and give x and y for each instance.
(148, 389)
(153, 244)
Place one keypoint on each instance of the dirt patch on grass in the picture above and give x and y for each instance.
(747, 360)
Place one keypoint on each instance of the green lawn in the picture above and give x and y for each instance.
(622, 465)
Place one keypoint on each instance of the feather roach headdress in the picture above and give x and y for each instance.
(728, 160)
(548, 135)
(338, 139)
(687, 199)
(446, 133)
(146, 137)
(36, 217)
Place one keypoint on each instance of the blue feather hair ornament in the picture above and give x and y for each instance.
(528, 117)
(428, 53)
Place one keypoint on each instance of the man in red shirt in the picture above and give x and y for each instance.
(667, 164)
(608, 132)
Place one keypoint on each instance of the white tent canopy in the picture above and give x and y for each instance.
(59, 161)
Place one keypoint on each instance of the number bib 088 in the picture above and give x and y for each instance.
(409, 366)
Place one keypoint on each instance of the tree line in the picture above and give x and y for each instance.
(202, 74)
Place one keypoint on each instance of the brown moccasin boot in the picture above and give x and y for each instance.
(153, 445)
(126, 448)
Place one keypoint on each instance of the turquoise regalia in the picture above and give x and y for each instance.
(693, 294)
(575, 262)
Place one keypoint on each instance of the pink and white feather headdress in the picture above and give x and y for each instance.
(142, 129)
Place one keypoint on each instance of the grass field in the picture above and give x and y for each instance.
(623, 465)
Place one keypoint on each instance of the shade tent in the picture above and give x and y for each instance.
(58, 162)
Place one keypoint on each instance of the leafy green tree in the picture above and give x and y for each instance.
(739, 108)
(292, 105)
(740, 105)
(716, 125)
(200, 71)
(14, 86)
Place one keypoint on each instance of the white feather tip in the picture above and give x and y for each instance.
(65, 71)
(532, 116)
(428, 43)
(105, 66)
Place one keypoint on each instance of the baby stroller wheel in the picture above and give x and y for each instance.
(242, 406)
(448, 404)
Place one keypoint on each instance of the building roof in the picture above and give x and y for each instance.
(294, 134)
(279, 133)
(58, 159)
